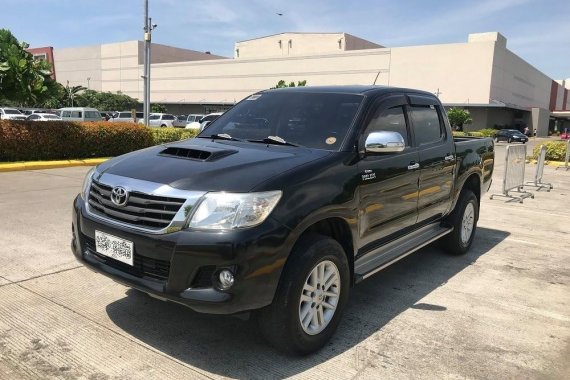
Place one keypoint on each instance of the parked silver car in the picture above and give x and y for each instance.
(11, 114)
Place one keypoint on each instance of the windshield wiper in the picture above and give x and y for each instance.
(276, 140)
(220, 136)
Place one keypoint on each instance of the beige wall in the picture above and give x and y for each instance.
(514, 81)
(461, 72)
(77, 64)
(480, 71)
(163, 54)
(299, 44)
(229, 80)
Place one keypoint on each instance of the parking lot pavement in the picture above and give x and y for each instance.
(501, 311)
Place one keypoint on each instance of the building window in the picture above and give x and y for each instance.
(40, 57)
(237, 53)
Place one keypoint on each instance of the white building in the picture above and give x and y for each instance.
(498, 87)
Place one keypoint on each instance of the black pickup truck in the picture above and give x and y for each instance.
(284, 203)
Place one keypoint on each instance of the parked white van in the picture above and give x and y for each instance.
(80, 114)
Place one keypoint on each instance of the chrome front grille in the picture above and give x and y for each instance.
(141, 210)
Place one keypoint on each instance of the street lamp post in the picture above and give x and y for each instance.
(88, 80)
(148, 28)
(70, 94)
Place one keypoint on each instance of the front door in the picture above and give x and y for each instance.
(389, 181)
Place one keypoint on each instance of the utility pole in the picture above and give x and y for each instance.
(145, 69)
(148, 28)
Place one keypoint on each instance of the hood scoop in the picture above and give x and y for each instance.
(197, 153)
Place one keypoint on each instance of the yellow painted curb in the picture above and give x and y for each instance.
(35, 165)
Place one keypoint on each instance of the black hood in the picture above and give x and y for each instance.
(206, 165)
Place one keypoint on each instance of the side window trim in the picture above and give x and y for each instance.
(382, 104)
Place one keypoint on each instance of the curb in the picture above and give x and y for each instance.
(36, 165)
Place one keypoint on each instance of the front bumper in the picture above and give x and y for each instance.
(180, 266)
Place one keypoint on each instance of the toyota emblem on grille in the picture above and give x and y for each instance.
(119, 196)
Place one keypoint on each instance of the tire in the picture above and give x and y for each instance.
(280, 322)
(163, 126)
(463, 219)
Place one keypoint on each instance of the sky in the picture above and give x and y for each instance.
(536, 30)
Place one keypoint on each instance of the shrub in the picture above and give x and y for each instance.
(54, 140)
(488, 132)
(166, 135)
(475, 134)
(459, 134)
(555, 150)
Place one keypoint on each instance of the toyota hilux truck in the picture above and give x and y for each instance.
(283, 204)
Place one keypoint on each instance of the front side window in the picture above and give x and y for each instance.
(392, 120)
(124, 115)
(66, 114)
(154, 117)
(427, 124)
(168, 117)
(314, 120)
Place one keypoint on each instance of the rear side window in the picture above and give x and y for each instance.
(124, 115)
(392, 120)
(66, 114)
(427, 124)
(76, 114)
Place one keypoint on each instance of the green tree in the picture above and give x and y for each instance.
(106, 101)
(458, 117)
(283, 84)
(158, 108)
(23, 79)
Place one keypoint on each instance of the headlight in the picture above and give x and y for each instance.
(87, 184)
(221, 211)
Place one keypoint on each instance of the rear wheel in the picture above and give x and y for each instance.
(464, 222)
(163, 126)
(310, 299)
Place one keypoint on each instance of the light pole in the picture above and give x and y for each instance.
(148, 28)
(70, 94)
(88, 80)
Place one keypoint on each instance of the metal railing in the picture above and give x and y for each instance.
(513, 179)
(537, 182)
(567, 158)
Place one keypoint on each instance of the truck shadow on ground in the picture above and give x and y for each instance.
(232, 347)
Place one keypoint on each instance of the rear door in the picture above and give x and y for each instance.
(389, 182)
(436, 157)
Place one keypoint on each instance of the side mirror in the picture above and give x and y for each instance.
(384, 142)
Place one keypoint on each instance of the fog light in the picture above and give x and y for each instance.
(226, 279)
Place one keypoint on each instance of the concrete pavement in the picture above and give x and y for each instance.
(502, 311)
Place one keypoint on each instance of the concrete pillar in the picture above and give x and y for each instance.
(540, 119)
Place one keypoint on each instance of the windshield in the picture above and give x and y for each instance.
(313, 120)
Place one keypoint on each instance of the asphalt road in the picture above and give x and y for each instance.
(501, 311)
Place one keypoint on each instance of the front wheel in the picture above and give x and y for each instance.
(163, 126)
(463, 219)
(310, 298)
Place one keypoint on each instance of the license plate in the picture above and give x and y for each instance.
(114, 247)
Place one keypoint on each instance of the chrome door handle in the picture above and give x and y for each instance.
(449, 157)
(413, 166)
